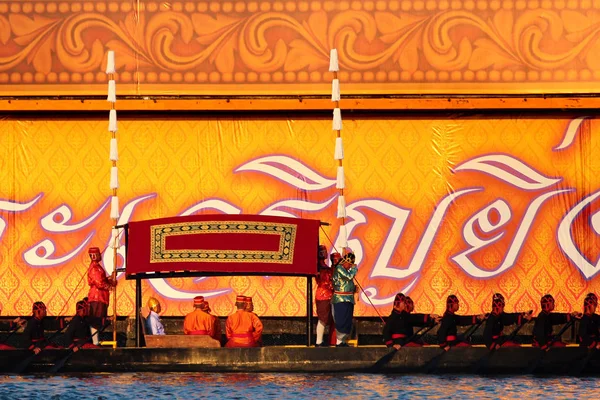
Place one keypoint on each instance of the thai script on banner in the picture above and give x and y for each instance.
(484, 228)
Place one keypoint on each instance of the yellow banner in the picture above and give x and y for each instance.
(436, 204)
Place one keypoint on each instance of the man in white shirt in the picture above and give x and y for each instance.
(153, 324)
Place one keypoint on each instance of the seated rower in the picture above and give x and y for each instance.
(78, 333)
(589, 327)
(153, 324)
(200, 322)
(242, 327)
(399, 327)
(448, 333)
(33, 335)
(497, 320)
(250, 309)
(545, 321)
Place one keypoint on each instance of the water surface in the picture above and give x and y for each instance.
(292, 386)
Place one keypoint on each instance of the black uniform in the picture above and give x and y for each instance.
(494, 325)
(447, 334)
(78, 332)
(542, 330)
(33, 335)
(589, 330)
(400, 326)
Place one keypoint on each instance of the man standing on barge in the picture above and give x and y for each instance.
(343, 297)
(99, 294)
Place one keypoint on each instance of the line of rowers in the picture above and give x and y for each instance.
(77, 333)
(243, 328)
(399, 328)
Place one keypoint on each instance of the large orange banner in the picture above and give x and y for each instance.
(437, 204)
(272, 47)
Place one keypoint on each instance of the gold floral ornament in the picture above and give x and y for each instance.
(507, 39)
(265, 41)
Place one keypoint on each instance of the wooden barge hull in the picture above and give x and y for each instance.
(475, 360)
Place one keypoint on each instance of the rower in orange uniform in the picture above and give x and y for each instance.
(242, 328)
(250, 309)
(199, 321)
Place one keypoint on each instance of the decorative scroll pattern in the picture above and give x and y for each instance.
(283, 255)
(272, 47)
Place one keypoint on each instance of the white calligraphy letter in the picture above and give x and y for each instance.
(12, 206)
(214, 204)
(570, 132)
(565, 239)
(477, 243)
(46, 250)
(290, 171)
(510, 170)
(400, 217)
(273, 209)
(58, 220)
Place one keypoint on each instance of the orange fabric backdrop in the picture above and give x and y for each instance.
(273, 47)
(168, 166)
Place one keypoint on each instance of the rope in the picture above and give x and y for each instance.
(73, 291)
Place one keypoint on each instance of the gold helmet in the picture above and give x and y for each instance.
(153, 304)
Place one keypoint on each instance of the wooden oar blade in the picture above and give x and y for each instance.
(581, 365)
(432, 364)
(383, 361)
(22, 366)
(60, 363)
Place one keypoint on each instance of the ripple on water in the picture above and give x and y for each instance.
(188, 386)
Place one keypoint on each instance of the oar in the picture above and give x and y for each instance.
(433, 363)
(578, 369)
(389, 356)
(10, 333)
(61, 363)
(22, 366)
(533, 366)
(484, 360)
(475, 327)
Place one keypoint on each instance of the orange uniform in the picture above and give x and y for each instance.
(199, 322)
(243, 329)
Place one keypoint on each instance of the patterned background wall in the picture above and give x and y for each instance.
(437, 204)
(282, 47)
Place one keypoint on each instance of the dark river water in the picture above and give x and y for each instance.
(292, 386)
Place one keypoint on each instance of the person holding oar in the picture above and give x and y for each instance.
(447, 334)
(497, 320)
(589, 332)
(398, 331)
(78, 333)
(545, 321)
(33, 334)
(589, 326)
